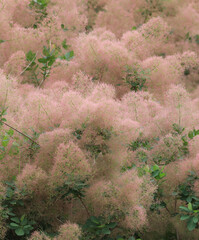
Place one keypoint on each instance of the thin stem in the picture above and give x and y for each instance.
(84, 206)
(177, 235)
(168, 210)
(19, 165)
(136, 114)
(19, 132)
(175, 203)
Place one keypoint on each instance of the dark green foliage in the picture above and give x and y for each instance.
(153, 6)
(11, 203)
(136, 78)
(196, 37)
(139, 143)
(191, 38)
(92, 147)
(96, 149)
(78, 132)
(97, 228)
(185, 191)
(21, 226)
(186, 72)
(191, 215)
(73, 188)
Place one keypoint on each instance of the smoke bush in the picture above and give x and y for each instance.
(99, 119)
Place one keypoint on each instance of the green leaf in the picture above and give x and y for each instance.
(14, 225)
(94, 219)
(30, 56)
(15, 219)
(27, 226)
(197, 38)
(189, 199)
(2, 41)
(195, 219)
(24, 222)
(64, 45)
(190, 207)
(191, 225)
(162, 174)
(5, 141)
(64, 28)
(184, 217)
(106, 231)
(19, 232)
(69, 55)
(46, 51)
(10, 132)
(43, 60)
(2, 148)
(184, 209)
(112, 225)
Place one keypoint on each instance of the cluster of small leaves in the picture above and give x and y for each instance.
(33, 146)
(186, 193)
(73, 188)
(68, 55)
(3, 112)
(183, 149)
(191, 215)
(96, 149)
(5, 138)
(153, 6)
(79, 131)
(40, 7)
(139, 143)
(65, 29)
(47, 60)
(18, 225)
(178, 130)
(155, 171)
(22, 226)
(97, 228)
(93, 6)
(143, 144)
(136, 78)
(40, 68)
(192, 38)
